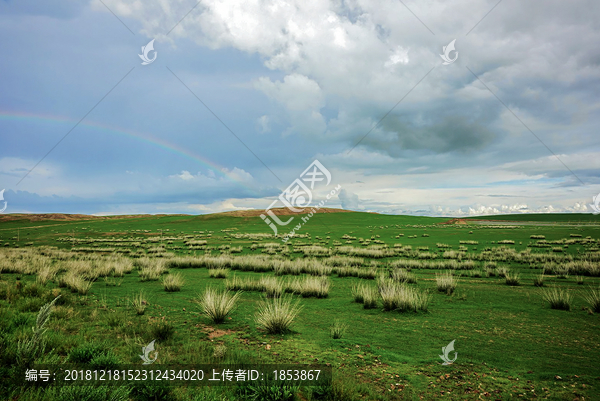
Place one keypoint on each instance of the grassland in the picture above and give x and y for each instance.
(124, 282)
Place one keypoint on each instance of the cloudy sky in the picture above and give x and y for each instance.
(243, 95)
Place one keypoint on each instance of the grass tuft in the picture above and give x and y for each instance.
(539, 280)
(338, 329)
(592, 297)
(512, 279)
(216, 305)
(218, 273)
(445, 282)
(139, 303)
(403, 276)
(401, 297)
(277, 314)
(558, 299)
(173, 282)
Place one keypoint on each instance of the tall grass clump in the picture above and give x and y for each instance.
(477, 273)
(150, 268)
(512, 279)
(502, 271)
(562, 272)
(445, 282)
(366, 295)
(173, 282)
(338, 329)
(218, 273)
(216, 305)
(77, 284)
(272, 287)
(401, 297)
(558, 299)
(29, 349)
(315, 287)
(310, 286)
(357, 293)
(592, 297)
(45, 274)
(162, 330)
(402, 276)
(490, 269)
(277, 314)
(539, 280)
(235, 283)
(139, 303)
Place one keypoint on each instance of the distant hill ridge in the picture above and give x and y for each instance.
(235, 213)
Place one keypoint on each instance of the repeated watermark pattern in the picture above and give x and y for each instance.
(146, 353)
(298, 195)
(596, 205)
(446, 55)
(2, 199)
(147, 49)
(446, 351)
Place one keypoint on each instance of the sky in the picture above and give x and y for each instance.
(244, 95)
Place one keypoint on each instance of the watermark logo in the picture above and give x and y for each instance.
(447, 350)
(147, 350)
(147, 49)
(595, 206)
(2, 199)
(446, 55)
(298, 196)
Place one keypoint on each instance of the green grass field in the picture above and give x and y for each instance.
(510, 343)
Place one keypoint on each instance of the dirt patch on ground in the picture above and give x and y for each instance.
(216, 333)
(455, 221)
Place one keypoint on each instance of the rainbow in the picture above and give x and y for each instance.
(147, 138)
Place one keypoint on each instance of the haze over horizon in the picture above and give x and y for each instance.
(243, 96)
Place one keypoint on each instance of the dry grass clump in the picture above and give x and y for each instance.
(173, 282)
(218, 273)
(402, 276)
(139, 303)
(592, 297)
(151, 268)
(512, 279)
(539, 280)
(360, 272)
(237, 284)
(445, 282)
(476, 273)
(344, 261)
(272, 287)
(558, 299)
(216, 305)
(45, 274)
(401, 297)
(366, 295)
(276, 315)
(311, 287)
(490, 271)
(502, 271)
(75, 283)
